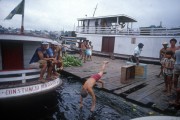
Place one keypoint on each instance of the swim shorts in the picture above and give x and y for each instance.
(96, 77)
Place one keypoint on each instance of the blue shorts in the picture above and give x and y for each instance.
(88, 52)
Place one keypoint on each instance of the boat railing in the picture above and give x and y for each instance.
(19, 75)
(117, 30)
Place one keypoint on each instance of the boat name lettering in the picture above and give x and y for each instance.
(48, 84)
(28, 89)
(22, 90)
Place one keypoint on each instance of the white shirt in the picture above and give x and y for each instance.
(137, 51)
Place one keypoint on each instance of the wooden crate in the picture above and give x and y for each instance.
(127, 73)
(140, 70)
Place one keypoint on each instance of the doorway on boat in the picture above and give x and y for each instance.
(108, 45)
(12, 55)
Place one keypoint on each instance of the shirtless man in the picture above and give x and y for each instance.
(88, 86)
(173, 45)
(83, 49)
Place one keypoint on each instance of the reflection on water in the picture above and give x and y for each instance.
(64, 105)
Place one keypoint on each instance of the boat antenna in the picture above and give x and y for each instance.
(95, 10)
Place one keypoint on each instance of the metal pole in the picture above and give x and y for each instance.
(22, 22)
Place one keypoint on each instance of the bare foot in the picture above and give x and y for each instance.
(174, 103)
(92, 108)
(42, 80)
(105, 62)
(81, 106)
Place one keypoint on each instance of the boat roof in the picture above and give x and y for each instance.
(122, 17)
(23, 38)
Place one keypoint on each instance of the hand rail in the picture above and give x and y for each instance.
(18, 75)
(124, 31)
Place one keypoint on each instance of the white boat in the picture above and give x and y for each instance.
(115, 35)
(157, 118)
(16, 79)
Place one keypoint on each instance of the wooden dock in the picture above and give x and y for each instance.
(147, 92)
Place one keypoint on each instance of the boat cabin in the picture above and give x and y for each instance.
(120, 25)
(105, 24)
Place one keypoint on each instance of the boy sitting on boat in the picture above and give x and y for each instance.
(54, 52)
(41, 60)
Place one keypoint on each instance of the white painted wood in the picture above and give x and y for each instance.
(18, 71)
(29, 89)
(23, 78)
(152, 44)
(0, 58)
(28, 51)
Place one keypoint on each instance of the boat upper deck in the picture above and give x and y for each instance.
(120, 25)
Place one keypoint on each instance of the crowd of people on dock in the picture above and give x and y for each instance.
(85, 50)
(170, 68)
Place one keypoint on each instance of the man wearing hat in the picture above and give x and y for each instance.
(54, 52)
(136, 54)
(39, 60)
(162, 55)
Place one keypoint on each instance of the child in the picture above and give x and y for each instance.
(168, 66)
(88, 85)
(161, 56)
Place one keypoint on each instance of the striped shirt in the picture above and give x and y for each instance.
(168, 65)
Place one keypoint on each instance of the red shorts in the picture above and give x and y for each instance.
(96, 77)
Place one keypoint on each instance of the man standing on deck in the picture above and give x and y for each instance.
(173, 45)
(137, 51)
(176, 76)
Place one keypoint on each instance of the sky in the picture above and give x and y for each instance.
(57, 15)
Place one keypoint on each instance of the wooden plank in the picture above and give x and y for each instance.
(124, 89)
(138, 95)
(158, 99)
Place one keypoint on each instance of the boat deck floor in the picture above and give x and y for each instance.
(145, 91)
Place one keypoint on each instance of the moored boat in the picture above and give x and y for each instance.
(16, 79)
(157, 118)
(114, 34)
